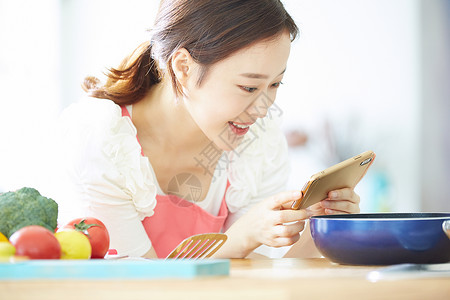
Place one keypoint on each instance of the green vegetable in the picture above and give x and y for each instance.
(26, 207)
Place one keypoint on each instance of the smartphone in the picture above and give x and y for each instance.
(345, 174)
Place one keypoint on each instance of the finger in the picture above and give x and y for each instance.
(344, 194)
(281, 200)
(284, 241)
(341, 206)
(289, 215)
(317, 207)
(338, 212)
(289, 230)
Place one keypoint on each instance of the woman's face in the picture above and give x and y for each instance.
(237, 91)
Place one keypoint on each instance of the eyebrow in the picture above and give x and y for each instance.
(258, 76)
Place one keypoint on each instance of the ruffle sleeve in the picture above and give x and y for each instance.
(107, 175)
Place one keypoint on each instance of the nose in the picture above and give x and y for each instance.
(260, 106)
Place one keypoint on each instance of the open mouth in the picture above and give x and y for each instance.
(239, 129)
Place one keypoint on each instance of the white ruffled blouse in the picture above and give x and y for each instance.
(105, 175)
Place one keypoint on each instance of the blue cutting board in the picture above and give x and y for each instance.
(113, 269)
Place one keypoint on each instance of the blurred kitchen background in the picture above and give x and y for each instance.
(364, 74)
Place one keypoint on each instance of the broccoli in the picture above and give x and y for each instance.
(26, 207)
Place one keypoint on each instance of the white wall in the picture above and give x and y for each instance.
(98, 35)
(30, 86)
(356, 68)
(435, 110)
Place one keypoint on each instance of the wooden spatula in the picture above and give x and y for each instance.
(198, 246)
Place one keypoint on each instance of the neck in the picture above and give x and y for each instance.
(161, 119)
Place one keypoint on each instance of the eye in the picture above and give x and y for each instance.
(277, 84)
(248, 89)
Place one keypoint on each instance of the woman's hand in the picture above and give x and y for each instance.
(270, 222)
(343, 201)
(338, 202)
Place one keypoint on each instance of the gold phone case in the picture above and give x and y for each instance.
(345, 174)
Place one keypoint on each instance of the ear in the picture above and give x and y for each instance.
(182, 65)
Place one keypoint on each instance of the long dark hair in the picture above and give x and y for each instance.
(211, 30)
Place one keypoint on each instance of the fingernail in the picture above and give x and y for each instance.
(333, 195)
(296, 194)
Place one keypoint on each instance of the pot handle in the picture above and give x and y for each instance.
(446, 227)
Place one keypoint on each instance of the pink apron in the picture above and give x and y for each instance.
(176, 219)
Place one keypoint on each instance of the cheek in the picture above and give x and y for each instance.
(211, 112)
(214, 106)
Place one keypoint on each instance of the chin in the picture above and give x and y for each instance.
(225, 140)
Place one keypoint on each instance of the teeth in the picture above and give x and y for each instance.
(240, 126)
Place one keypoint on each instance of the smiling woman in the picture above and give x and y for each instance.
(190, 110)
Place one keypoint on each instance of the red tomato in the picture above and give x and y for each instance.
(96, 231)
(36, 242)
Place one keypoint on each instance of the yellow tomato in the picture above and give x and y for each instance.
(74, 244)
(7, 249)
(3, 238)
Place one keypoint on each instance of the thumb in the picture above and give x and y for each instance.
(283, 200)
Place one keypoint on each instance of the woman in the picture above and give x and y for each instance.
(182, 138)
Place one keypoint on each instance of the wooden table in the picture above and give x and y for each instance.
(249, 279)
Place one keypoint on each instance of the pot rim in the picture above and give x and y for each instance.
(386, 217)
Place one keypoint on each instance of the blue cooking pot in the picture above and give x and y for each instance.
(382, 238)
